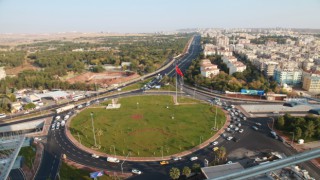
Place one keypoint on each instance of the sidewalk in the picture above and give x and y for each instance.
(181, 154)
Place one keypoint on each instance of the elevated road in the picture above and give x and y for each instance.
(278, 164)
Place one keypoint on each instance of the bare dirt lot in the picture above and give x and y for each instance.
(16, 70)
(104, 79)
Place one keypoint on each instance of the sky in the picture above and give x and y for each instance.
(139, 16)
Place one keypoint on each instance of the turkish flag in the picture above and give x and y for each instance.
(179, 71)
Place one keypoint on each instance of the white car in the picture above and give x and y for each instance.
(236, 129)
(80, 106)
(58, 117)
(94, 156)
(214, 143)
(244, 118)
(229, 138)
(241, 131)
(255, 128)
(258, 124)
(229, 162)
(239, 124)
(136, 171)
(177, 158)
(193, 158)
(66, 117)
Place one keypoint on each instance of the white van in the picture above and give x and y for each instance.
(3, 115)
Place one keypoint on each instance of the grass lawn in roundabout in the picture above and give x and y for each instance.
(147, 126)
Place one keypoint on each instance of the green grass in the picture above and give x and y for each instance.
(71, 173)
(147, 128)
(29, 153)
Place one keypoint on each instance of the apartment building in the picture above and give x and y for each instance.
(208, 69)
(311, 82)
(288, 76)
(268, 68)
(209, 49)
(236, 67)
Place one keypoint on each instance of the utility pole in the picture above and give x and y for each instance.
(123, 162)
(215, 119)
(114, 150)
(94, 135)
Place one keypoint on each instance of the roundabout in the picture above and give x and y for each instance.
(146, 126)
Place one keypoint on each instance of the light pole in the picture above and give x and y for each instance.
(272, 122)
(114, 150)
(292, 138)
(162, 151)
(94, 135)
(215, 119)
(124, 161)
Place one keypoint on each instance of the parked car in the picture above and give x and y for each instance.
(229, 162)
(136, 171)
(241, 131)
(215, 148)
(258, 124)
(177, 158)
(229, 138)
(193, 158)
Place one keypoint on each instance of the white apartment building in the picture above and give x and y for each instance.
(288, 76)
(222, 41)
(207, 69)
(236, 67)
(209, 49)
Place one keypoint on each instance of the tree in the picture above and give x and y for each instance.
(29, 106)
(174, 173)
(310, 129)
(298, 132)
(186, 171)
(196, 167)
(280, 122)
(221, 153)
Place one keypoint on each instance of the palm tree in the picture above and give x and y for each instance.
(174, 173)
(186, 171)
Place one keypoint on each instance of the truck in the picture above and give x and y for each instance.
(113, 160)
(65, 108)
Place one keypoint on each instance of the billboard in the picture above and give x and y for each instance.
(252, 92)
(96, 174)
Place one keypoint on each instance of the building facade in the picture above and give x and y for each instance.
(288, 76)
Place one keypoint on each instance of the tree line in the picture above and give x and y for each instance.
(307, 127)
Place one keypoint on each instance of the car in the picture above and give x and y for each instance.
(105, 99)
(214, 143)
(228, 129)
(53, 127)
(241, 131)
(235, 139)
(215, 149)
(236, 129)
(37, 139)
(239, 124)
(58, 117)
(164, 162)
(66, 117)
(80, 106)
(177, 158)
(230, 126)
(224, 135)
(229, 138)
(229, 162)
(94, 156)
(58, 126)
(255, 128)
(136, 171)
(258, 124)
(244, 118)
(193, 158)
(97, 101)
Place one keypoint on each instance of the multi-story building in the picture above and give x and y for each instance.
(311, 82)
(209, 49)
(207, 69)
(288, 76)
(222, 41)
(269, 67)
(236, 67)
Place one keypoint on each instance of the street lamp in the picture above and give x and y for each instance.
(94, 135)
(292, 138)
(162, 151)
(114, 150)
(272, 122)
(215, 119)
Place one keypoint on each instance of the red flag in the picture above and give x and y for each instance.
(179, 71)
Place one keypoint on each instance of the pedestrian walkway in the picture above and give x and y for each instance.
(181, 154)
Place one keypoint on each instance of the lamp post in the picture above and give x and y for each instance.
(162, 151)
(124, 161)
(215, 119)
(272, 123)
(94, 135)
(114, 150)
(292, 138)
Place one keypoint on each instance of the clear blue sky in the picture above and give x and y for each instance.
(42, 16)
